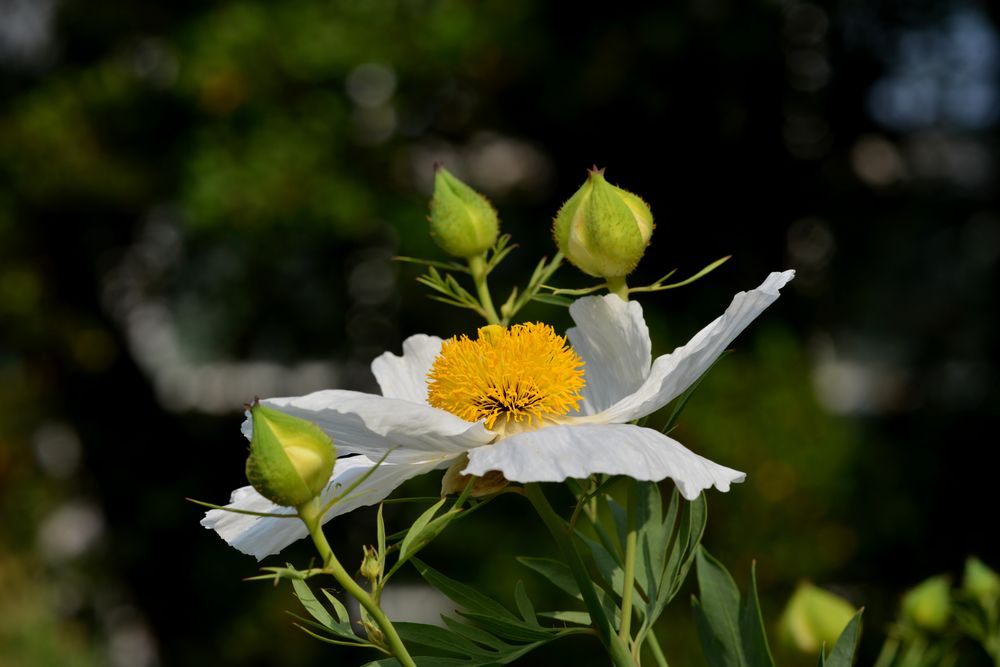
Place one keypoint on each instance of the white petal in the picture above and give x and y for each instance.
(612, 339)
(405, 376)
(372, 425)
(262, 536)
(672, 373)
(560, 452)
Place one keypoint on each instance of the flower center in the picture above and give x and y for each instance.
(516, 377)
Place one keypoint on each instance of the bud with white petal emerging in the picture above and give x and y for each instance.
(290, 460)
(602, 229)
(463, 222)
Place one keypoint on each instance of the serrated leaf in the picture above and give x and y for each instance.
(555, 572)
(465, 596)
(843, 651)
(524, 606)
(752, 631)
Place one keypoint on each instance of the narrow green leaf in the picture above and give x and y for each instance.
(463, 595)
(551, 300)
(381, 535)
(344, 632)
(342, 615)
(509, 629)
(712, 649)
(752, 631)
(606, 564)
(475, 634)
(555, 572)
(843, 651)
(433, 636)
(311, 604)
(415, 536)
(719, 608)
(576, 617)
(524, 606)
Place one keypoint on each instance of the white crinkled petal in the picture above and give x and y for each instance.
(577, 451)
(672, 373)
(612, 339)
(405, 376)
(262, 536)
(371, 425)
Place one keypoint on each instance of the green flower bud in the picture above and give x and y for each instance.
(463, 222)
(290, 460)
(370, 568)
(602, 229)
(928, 604)
(813, 617)
(980, 581)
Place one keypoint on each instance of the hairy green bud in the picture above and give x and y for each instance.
(463, 222)
(291, 459)
(602, 229)
(370, 566)
(928, 604)
(813, 617)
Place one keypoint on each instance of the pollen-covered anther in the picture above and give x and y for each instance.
(516, 377)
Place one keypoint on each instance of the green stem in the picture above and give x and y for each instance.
(477, 266)
(617, 286)
(313, 519)
(616, 649)
(654, 646)
(625, 632)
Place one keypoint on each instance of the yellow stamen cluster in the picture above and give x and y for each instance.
(524, 374)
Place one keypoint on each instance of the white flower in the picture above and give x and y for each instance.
(530, 444)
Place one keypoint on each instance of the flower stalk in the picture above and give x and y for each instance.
(478, 269)
(312, 517)
(616, 648)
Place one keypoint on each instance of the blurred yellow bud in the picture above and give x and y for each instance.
(463, 222)
(290, 460)
(928, 604)
(602, 229)
(813, 617)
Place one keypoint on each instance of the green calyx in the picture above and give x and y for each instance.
(813, 617)
(291, 459)
(463, 222)
(602, 229)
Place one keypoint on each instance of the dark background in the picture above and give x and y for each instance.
(199, 202)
